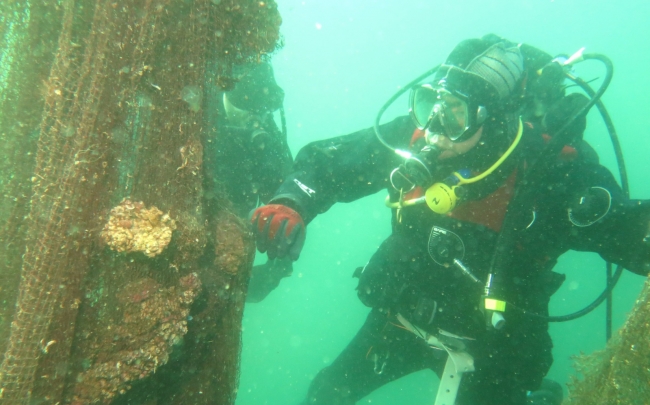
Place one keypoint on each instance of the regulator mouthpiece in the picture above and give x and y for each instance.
(420, 167)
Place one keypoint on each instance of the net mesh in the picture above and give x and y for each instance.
(619, 374)
(103, 127)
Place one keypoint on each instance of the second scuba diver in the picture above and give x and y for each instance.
(251, 157)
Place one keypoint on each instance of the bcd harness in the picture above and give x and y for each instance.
(459, 361)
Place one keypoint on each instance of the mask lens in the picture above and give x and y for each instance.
(423, 99)
(454, 116)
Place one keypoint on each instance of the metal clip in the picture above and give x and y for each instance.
(379, 369)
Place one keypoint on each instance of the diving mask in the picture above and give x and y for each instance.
(243, 119)
(443, 112)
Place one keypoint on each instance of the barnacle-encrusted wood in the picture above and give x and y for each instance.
(132, 227)
(620, 373)
(102, 101)
(154, 321)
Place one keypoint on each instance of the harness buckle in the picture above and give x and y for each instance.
(379, 368)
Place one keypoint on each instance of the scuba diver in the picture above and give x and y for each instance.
(489, 182)
(252, 157)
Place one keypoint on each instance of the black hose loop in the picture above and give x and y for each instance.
(394, 97)
(557, 142)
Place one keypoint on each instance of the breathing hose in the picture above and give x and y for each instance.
(391, 100)
(595, 100)
(612, 279)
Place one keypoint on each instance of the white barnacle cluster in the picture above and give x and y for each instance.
(132, 227)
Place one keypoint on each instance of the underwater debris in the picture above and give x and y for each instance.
(620, 373)
(133, 228)
(193, 96)
(112, 71)
(154, 320)
(231, 236)
(245, 31)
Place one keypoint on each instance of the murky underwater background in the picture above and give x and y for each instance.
(341, 61)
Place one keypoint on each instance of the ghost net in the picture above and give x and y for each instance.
(122, 264)
(620, 373)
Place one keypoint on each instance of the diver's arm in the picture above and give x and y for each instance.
(273, 161)
(342, 169)
(619, 232)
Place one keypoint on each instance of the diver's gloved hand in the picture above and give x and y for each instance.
(266, 278)
(279, 231)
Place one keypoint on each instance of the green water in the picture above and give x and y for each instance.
(341, 61)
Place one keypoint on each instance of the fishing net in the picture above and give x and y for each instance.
(122, 263)
(620, 373)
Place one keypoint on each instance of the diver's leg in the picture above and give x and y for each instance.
(378, 354)
(508, 364)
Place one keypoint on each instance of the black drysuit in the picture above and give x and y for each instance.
(251, 168)
(248, 164)
(577, 205)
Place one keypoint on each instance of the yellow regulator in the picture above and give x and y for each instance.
(441, 198)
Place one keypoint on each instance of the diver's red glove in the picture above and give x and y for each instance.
(279, 231)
